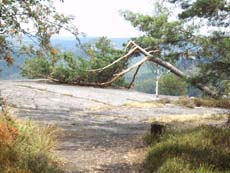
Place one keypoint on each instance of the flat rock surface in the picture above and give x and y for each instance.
(102, 133)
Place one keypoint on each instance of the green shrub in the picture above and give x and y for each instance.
(38, 67)
(204, 149)
(63, 74)
(67, 68)
(145, 85)
(169, 84)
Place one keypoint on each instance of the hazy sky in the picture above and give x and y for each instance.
(102, 18)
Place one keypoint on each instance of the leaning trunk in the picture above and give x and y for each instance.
(180, 74)
(175, 70)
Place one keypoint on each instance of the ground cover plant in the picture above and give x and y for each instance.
(204, 149)
(26, 147)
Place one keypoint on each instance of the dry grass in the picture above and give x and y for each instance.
(183, 101)
(26, 147)
(100, 108)
(187, 102)
(148, 104)
(207, 102)
(204, 102)
(193, 119)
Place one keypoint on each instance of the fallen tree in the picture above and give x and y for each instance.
(132, 48)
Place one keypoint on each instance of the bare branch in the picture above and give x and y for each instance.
(128, 45)
(161, 62)
(134, 76)
(116, 76)
(119, 75)
(116, 61)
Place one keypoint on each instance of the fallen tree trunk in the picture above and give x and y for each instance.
(116, 61)
(175, 70)
(119, 75)
(133, 48)
(180, 74)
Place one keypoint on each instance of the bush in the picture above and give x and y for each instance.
(68, 68)
(204, 149)
(38, 67)
(26, 147)
(63, 74)
(169, 84)
(145, 85)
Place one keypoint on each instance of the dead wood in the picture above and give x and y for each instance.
(134, 77)
(116, 61)
(174, 70)
(119, 75)
(135, 48)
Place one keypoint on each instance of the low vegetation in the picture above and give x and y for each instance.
(206, 102)
(221, 103)
(204, 149)
(147, 104)
(65, 67)
(185, 101)
(197, 143)
(26, 147)
(172, 85)
(184, 121)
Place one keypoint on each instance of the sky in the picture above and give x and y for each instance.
(101, 17)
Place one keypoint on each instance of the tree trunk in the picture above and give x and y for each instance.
(157, 81)
(180, 74)
(133, 48)
(175, 70)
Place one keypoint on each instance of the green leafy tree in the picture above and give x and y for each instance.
(34, 19)
(216, 11)
(159, 33)
(173, 40)
(214, 70)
